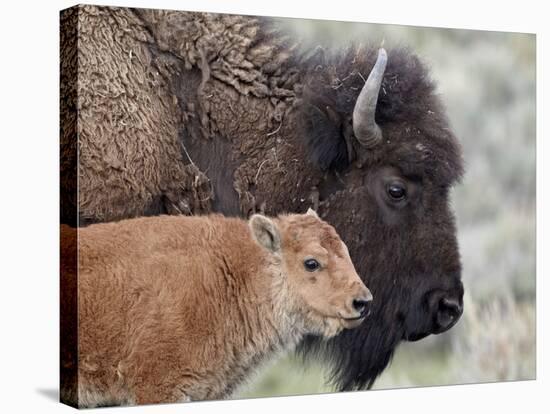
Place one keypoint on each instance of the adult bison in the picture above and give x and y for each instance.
(192, 112)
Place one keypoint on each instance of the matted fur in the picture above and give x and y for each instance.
(118, 105)
(184, 308)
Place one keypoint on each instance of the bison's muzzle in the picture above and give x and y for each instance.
(448, 312)
(444, 308)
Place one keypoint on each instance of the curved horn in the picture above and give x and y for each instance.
(367, 132)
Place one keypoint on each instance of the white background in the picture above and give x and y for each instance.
(29, 174)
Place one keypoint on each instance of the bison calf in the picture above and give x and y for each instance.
(183, 308)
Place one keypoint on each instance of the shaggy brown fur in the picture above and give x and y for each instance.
(129, 155)
(145, 76)
(183, 308)
(269, 124)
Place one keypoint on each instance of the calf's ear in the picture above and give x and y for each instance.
(311, 212)
(265, 232)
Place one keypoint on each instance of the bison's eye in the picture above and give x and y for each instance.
(311, 265)
(397, 191)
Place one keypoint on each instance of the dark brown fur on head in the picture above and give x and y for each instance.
(417, 136)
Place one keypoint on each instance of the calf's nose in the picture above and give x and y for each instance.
(362, 304)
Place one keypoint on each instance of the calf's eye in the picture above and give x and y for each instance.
(311, 265)
(396, 192)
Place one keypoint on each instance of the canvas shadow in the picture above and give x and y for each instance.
(49, 393)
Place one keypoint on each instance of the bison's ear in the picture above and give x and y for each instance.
(265, 232)
(324, 134)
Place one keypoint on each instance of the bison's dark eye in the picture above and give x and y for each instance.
(311, 265)
(397, 191)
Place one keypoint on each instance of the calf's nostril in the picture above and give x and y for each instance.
(361, 305)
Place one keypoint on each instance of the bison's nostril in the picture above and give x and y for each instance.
(448, 313)
(362, 306)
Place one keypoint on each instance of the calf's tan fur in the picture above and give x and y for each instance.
(176, 308)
